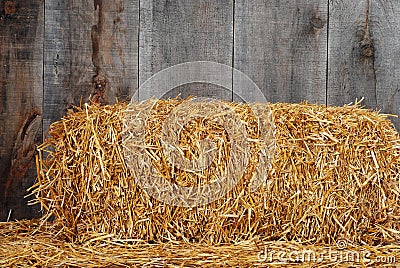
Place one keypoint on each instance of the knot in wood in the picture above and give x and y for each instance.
(10, 7)
(100, 86)
(100, 82)
(367, 50)
(317, 22)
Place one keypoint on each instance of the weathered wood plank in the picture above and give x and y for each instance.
(173, 32)
(21, 92)
(281, 46)
(91, 52)
(364, 49)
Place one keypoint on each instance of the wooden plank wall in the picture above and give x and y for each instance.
(90, 51)
(364, 50)
(173, 32)
(281, 45)
(55, 54)
(21, 95)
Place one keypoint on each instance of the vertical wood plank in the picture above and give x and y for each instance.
(364, 49)
(21, 92)
(173, 32)
(91, 52)
(68, 66)
(281, 46)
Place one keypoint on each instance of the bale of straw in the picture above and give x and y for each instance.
(335, 175)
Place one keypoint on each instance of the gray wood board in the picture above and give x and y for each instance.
(281, 46)
(91, 52)
(174, 32)
(21, 92)
(364, 49)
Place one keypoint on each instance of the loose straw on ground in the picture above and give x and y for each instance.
(19, 248)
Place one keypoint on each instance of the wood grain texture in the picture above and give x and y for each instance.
(91, 52)
(21, 92)
(364, 44)
(281, 46)
(173, 32)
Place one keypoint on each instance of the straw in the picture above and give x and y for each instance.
(334, 176)
(45, 249)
